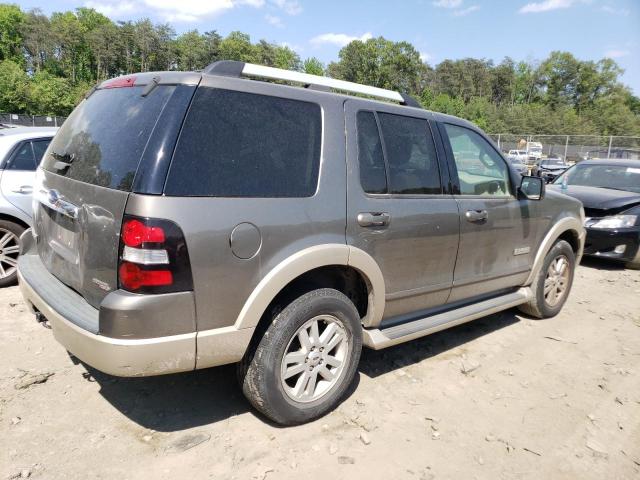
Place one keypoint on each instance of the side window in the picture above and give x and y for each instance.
(481, 170)
(22, 158)
(373, 177)
(237, 144)
(411, 155)
(39, 147)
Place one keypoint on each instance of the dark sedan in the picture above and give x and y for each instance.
(610, 193)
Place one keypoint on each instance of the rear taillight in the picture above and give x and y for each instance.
(153, 257)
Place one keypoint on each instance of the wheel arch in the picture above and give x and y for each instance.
(570, 229)
(318, 259)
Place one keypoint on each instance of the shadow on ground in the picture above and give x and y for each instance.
(602, 264)
(176, 402)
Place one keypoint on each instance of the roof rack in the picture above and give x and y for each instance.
(231, 68)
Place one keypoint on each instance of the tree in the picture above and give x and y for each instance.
(37, 40)
(14, 88)
(313, 66)
(11, 19)
(380, 63)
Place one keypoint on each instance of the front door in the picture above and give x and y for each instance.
(498, 231)
(397, 208)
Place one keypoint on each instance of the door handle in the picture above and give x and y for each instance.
(24, 189)
(374, 219)
(476, 216)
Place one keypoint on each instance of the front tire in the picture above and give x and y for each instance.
(553, 283)
(9, 249)
(305, 361)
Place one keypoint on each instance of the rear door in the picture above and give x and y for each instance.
(498, 231)
(18, 172)
(86, 176)
(398, 209)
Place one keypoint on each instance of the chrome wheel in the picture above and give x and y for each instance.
(9, 250)
(315, 358)
(557, 281)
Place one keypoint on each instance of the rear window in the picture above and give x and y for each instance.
(103, 139)
(237, 144)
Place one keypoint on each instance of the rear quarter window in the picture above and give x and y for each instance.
(102, 141)
(237, 144)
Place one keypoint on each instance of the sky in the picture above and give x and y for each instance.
(439, 29)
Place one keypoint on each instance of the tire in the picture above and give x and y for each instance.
(635, 265)
(9, 246)
(262, 374)
(547, 306)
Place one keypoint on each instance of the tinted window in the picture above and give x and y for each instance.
(103, 139)
(481, 170)
(411, 155)
(39, 147)
(373, 177)
(22, 158)
(236, 144)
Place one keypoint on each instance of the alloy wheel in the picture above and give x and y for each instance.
(556, 282)
(315, 359)
(9, 250)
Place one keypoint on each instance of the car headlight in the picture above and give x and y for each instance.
(614, 221)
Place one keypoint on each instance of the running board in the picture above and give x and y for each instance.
(386, 337)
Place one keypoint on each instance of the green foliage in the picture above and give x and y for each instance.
(14, 87)
(11, 19)
(48, 63)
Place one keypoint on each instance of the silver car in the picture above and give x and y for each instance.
(186, 220)
(21, 149)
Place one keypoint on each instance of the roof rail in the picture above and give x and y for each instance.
(231, 68)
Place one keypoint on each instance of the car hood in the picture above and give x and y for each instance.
(601, 201)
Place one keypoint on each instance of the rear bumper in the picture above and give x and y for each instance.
(127, 336)
(602, 243)
(115, 356)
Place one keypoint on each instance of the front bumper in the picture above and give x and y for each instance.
(603, 243)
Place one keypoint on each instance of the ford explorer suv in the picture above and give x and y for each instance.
(21, 149)
(251, 215)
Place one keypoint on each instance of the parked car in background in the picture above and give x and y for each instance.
(21, 149)
(520, 155)
(317, 223)
(518, 165)
(534, 151)
(549, 168)
(610, 193)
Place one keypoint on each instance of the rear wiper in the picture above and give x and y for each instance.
(63, 157)
(150, 86)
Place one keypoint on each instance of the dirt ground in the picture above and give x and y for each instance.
(502, 397)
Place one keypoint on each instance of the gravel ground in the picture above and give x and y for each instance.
(502, 397)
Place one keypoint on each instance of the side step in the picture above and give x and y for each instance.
(378, 339)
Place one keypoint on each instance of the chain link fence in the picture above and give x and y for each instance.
(15, 119)
(572, 148)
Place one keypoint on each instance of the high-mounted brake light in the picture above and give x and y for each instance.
(153, 257)
(121, 82)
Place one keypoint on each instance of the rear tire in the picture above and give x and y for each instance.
(633, 265)
(9, 248)
(553, 283)
(306, 360)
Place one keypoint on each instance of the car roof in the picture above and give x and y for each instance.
(28, 132)
(612, 162)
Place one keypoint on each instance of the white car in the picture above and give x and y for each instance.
(21, 149)
(520, 155)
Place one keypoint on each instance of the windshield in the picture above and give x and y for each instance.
(617, 177)
(555, 161)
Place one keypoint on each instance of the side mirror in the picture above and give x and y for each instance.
(532, 188)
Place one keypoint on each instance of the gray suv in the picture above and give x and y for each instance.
(188, 220)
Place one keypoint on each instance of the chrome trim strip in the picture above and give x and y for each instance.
(55, 201)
